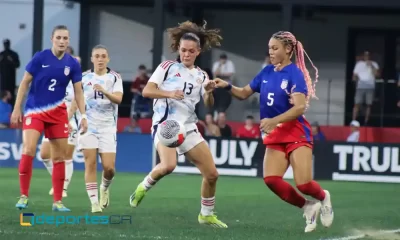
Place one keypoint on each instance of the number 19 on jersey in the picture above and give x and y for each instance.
(98, 95)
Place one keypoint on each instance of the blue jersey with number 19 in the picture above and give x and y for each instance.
(50, 80)
(276, 88)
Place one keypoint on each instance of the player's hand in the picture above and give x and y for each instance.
(177, 94)
(16, 117)
(83, 126)
(219, 83)
(209, 86)
(268, 124)
(99, 88)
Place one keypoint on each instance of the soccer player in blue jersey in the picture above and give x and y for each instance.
(48, 74)
(285, 90)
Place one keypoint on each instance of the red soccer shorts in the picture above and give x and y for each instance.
(51, 130)
(288, 148)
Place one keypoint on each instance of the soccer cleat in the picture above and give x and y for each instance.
(22, 202)
(104, 198)
(96, 208)
(311, 212)
(326, 210)
(211, 220)
(59, 207)
(137, 196)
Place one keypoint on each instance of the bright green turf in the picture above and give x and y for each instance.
(170, 210)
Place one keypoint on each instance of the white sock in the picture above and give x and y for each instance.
(49, 165)
(148, 182)
(69, 170)
(207, 206)
(91, 189)
(105, 183)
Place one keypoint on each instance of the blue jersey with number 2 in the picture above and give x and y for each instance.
(50, 80)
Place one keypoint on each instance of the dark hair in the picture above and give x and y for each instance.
(206, 39)
(142, 67)
(71, 49)
(250, 117)
(4, 93)
(59, 27)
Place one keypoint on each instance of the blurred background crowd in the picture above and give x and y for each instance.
(357, 53)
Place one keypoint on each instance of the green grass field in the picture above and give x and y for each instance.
(170, 210)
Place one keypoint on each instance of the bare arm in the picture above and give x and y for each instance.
(242, 93)
(115, 97)
(151, 90)
(72, 109)
(208, 99)
(299, 101)
(79, 98)
(22, 90)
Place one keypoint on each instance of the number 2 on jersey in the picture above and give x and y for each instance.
(270, 97)
(98, 95)
(53, 83)
(189, 87)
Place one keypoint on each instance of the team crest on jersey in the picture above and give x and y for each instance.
(28, 121)
(199, 81)
(67, 70)
(284, 84)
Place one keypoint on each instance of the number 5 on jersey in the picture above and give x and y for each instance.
(52, 84)
(270, 100)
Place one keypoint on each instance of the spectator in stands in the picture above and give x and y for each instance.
(133, 127)
(5, 109)
(355, 132)
(249, 130)
(267, 61)
(9, 62)
(71, 51)
(224, 69)
(140, 105)
(318, 135)
(210, 128)
(224, 128)
(365, 73)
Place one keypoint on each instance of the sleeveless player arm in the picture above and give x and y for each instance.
(23, 89)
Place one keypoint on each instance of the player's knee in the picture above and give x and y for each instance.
(167, 168)
(44, 155)
(212, 176)
(29, 150)
(58, 158)
(109, 171)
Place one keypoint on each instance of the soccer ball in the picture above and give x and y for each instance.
(171, 133)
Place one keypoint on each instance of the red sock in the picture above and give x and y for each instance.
(58, 178)
(25, 174)
(285, 191)
(312, 189)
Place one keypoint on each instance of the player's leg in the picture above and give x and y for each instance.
(166, 166)
(89, 144)
(197, 151)
(58, 138)
(275, 166)
(302, 164)
(69, 166)
(46, 158)
(32, 129)
(107, 150)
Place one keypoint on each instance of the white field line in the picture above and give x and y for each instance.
(383, 234)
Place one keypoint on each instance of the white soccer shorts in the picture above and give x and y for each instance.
(105, 142)
(192, 140)
(73, 136)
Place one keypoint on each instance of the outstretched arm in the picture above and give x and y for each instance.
(241, 93)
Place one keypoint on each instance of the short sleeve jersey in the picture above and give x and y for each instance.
(51, 77)
(276, 88)
(171, 76)
(101, 113)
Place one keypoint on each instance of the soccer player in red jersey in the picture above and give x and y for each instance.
(48, 74)
(285, 90)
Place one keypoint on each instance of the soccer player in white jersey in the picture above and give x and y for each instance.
(74, 118)
(103, 92)
(176, 88)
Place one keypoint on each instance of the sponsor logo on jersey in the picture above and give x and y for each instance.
(67, 70)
